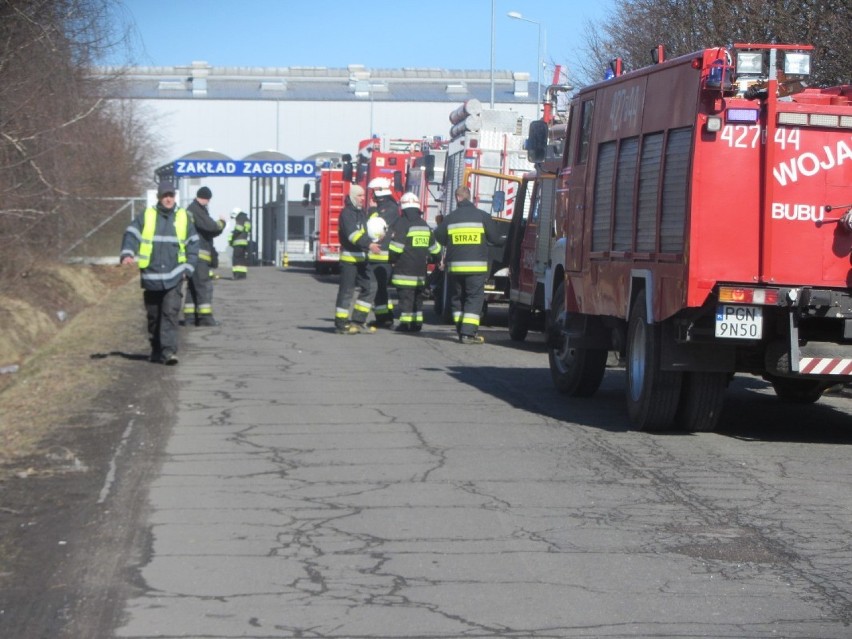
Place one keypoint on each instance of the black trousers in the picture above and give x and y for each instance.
(199, 294)
(239, 262)
(382, 305)
(410, 306)
(163, 311)
(467, 295)
(354, 278)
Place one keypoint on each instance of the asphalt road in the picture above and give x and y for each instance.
(308, 484)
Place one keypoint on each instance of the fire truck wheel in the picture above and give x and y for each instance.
(576, 372)
(797, 391)
(652, 394)
(701, 398)
(519, 322)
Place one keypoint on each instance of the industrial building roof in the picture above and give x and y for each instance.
(199, 80)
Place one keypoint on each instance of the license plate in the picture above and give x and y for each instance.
(739, 322)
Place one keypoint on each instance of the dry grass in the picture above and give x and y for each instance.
(63, 365)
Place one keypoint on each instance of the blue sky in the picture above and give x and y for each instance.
(449, 34)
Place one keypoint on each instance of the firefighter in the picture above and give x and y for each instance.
(411, 245)
(466, 232)
(239, 239)
(386, 208)
(355, 278)
(164, 243)
(198, 306)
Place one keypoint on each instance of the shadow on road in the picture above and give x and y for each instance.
(751, 411)
(136, 357)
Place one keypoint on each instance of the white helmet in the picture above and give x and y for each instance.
(380, 186)
(376, 228)
(409, 201)
(235, 213)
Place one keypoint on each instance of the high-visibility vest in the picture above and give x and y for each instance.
(146, 245)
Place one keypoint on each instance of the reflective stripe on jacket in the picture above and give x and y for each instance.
(242, 227)
(466, 232)
(166, 250)
(352, 232)
(411, 244)
(146, 244)
(388, 210)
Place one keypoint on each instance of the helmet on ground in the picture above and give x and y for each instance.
(380, 186)
(235, 213)
(409, 201)
(376, 228)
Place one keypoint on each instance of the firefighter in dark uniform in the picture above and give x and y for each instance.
(355, 244)
(388, 209)
(465, 233)
(198, 306)
(239, 240)
(164, 243)
(411, 245)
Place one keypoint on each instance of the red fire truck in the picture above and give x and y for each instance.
(700, 199)
(425, 177)
(388, 158)
(535, 249)
(376, 157)
(329, 199)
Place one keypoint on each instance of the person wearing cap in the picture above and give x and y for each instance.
(386, 208)
(163, 242)
(355, 279)
(411, 245)
(239, 240)
(466, 232)
(198, 306)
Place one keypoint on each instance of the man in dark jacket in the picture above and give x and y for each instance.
(354, 277)
(411, 245)
(164, 243)
(386, 208)
(198, 306)
(466, 233)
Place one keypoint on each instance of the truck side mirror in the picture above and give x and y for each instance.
(537, 141)
(498, 201)
(347, 172)
(397, 182)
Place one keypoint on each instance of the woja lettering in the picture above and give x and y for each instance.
(809, 164)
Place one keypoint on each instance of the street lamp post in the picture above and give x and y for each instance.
(515, 15)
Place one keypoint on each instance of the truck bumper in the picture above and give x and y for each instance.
(814, 360)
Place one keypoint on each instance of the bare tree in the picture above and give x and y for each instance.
(636, 27)
(61, 145)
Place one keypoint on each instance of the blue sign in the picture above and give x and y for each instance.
(245, 168)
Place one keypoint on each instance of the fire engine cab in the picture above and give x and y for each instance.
(535, 249)
(700, 199)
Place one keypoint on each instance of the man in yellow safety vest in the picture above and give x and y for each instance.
(164, 243)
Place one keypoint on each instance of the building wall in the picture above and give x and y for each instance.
(298, 129)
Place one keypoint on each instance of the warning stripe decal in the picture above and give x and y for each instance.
(825, 366)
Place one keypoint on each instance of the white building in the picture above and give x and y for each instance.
(298, 113)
